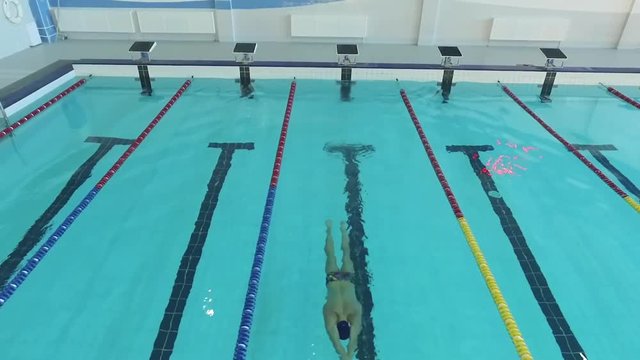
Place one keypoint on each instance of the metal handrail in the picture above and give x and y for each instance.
(5, 117)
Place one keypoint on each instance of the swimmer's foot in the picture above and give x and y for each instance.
(329, 225)
(343, 225)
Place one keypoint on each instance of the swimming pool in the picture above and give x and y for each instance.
(104, 290)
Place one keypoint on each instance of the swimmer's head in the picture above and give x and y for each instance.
(344, 329)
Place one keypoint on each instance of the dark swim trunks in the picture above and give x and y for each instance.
(339, 276)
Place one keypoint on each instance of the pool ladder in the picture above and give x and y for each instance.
(5, 118)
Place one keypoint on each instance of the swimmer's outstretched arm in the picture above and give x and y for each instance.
(356, 327)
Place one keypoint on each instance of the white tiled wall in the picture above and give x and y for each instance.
(566, 23)
(525, 77)
(105, 20)
(334, 26)
(176, 22)
(529, 28)
(14, 37)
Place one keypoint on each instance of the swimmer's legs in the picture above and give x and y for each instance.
(347, 264)
(331, 265)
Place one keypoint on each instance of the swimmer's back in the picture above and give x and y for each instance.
(341, 297)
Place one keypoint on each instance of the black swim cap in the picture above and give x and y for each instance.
(344, 329)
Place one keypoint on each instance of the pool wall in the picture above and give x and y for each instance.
(25, 92)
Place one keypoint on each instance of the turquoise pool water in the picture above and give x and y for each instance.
(101, 293)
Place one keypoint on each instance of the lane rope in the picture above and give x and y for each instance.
(634, 204)
(622, 96)
(27, 269)
(246, 321)
(494, 290)
(8, 130)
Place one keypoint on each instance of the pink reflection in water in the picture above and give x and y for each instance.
(507, 164)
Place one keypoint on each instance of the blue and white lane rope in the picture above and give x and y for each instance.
(244, 332)
(26, 270)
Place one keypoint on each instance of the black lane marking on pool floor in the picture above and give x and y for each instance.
(168, 330)
(596, 152)
(42, 224)
(566, 340)
(359, 251)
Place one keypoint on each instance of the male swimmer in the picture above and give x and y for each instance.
(342, 311)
